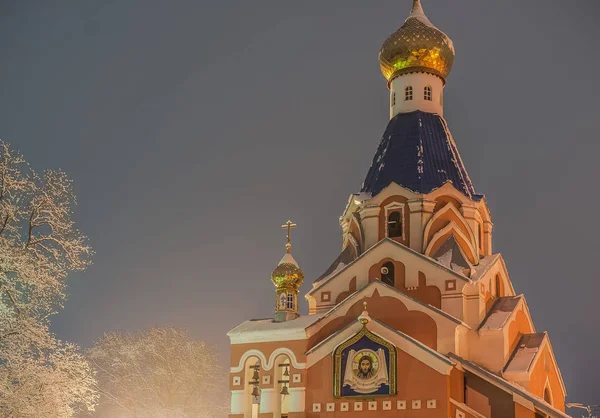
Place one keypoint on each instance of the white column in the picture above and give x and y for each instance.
(471, 215)
(369, 220)
(421, 212)
(269, 400)
(238, 401)
(297, 399)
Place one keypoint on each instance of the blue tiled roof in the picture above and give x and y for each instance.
(417, 152)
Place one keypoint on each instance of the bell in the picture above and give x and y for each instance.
(284, 390)
(255, 375)
(286, 372)
(255, 391)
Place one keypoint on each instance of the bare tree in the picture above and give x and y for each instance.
(40, 376)
(158, 373)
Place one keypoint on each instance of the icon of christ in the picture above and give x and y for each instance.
(366, 371)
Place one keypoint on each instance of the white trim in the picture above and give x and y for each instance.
(508, 386)
(353, 243)
(284, 351)
(246, 356)
(547, 386)
(452, 226)
(523, 402)
(401, 341)
(411, 304)
(558, 373)
(467, 409)
(267, 365)
(384, 242)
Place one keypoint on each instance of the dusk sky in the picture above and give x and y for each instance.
(194, 129)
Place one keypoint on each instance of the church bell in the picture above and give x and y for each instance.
(284, 390)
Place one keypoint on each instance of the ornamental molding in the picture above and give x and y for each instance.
(267, 365)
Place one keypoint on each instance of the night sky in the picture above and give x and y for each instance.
(194, 129)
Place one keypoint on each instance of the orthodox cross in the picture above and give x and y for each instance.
(289, 225)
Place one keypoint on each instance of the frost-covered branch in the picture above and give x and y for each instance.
(158, 372)
(39, 247)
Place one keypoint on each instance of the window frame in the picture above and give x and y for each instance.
(388, 210)
(408, 93)
(428, 93)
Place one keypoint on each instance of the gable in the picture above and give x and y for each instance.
(399, 340)
(427, 324)
(416, 265)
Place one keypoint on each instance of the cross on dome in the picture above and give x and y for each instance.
(289, 225)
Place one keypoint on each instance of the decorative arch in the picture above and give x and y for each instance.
(548, 393)
(354, 236)
(449, 214)
(498, 286)
(267, 365)
(452, 229)
(250, 353)
(285, 352)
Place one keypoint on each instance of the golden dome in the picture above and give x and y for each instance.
(418, 46)
(287, 275)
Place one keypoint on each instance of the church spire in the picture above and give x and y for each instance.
(417, 8)
(287, 278)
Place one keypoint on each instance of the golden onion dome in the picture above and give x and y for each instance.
(418, 46)
(287, 275)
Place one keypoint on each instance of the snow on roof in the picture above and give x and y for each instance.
(452, 257)
(507, 385)
(501, 310)
(525, 353)
(287, 258)
(484, 265)
(268, 324)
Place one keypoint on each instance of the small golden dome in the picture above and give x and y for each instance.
(287, 275)
(418, 46)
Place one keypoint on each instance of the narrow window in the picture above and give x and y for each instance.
(547, 396)
(387, 274)
(428, 93)
(393, 99)
(394, 225)
(282, 301)
(498, 287)
(408, 93)
(290, 301)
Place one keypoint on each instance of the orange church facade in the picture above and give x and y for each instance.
(417, 317)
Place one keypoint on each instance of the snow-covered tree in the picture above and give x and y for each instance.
(40, 376)
(158, 372)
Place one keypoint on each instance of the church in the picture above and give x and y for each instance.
(417, 316)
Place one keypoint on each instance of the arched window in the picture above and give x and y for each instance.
(290, 301)
(498, 287)
(393, 100)
(428, 94)
(408, 93)
(547, 396)
(394, 225)
(387, 273)
(282, 301)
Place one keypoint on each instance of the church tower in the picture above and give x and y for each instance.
(287, 278)
(417, 316)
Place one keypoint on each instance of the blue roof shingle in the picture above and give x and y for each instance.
(417, 152)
